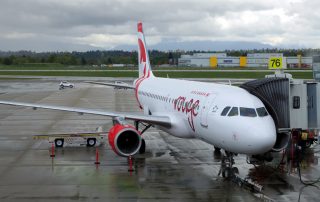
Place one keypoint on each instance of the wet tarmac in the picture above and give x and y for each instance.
(172, 169)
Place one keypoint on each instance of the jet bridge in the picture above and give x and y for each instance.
(274, 93)
(292, 103)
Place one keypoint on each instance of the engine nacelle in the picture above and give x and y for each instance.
(281, 142)
(124, 140)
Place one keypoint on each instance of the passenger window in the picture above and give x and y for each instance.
(225, 111)
(262, 112)
(249, 112)
(234, 112)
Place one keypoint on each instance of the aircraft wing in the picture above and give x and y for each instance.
(112, 84)
(152, 119)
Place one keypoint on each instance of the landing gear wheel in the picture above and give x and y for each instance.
(227, 173)
(59, 142)
(226, 169)
(142, 149)
(91, 142)
(235, 170)
(216, 148)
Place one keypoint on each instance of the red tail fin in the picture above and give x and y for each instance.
(144, 62)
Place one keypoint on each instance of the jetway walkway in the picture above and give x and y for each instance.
(274, 93)
(292, 103)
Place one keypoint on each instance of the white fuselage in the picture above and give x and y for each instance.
(195, 111)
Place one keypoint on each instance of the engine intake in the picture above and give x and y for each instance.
(124, 140)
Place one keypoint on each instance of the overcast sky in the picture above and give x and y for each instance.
(49, 25)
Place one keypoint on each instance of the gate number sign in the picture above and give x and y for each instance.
(275, 63)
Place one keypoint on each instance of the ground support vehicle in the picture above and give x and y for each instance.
(74, 139)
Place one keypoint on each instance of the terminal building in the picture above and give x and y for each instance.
(199, 59)
(215, 60)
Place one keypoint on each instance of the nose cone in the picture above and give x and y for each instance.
(263, 138)
(267, 140)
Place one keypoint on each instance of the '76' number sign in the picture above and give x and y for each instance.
(275, 63)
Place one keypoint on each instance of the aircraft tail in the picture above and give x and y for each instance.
(144, 62)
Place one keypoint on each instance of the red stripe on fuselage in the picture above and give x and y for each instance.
(138, 83)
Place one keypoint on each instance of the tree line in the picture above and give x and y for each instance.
(124, 57)
(85, 58)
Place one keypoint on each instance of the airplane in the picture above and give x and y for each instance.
(227, 117)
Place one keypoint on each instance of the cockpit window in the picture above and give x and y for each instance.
(225, 111)
(262, 112)
(249, 112)
(234, 112)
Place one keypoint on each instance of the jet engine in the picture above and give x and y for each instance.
(124, 140)
(281, 142)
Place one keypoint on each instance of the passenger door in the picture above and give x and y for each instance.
(208, 102)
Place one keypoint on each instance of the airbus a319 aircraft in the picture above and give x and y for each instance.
(225, 116)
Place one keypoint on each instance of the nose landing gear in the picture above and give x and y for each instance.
(227, 170)
(232, 173)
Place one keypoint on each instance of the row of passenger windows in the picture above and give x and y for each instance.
(167, 99)
(248, 112)
(158, 97)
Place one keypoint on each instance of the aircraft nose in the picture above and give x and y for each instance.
(262, 139)
(267, 141)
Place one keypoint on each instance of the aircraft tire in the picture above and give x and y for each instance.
(58, 142)
(216, 148)
(91, 142)
(235, 170)
(227, 173)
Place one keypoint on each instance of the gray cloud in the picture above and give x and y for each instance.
(90, 24)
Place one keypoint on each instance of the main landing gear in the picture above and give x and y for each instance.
(227, 170)
(142, 149)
